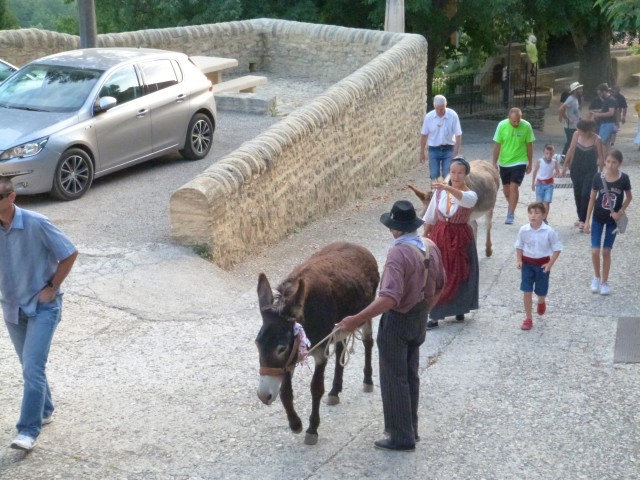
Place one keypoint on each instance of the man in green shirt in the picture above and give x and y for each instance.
(513, 156)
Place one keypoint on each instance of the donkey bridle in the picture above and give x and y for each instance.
(288, 367)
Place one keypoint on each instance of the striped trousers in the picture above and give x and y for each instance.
(399, 339)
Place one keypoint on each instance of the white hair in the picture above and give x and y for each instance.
(439, 100)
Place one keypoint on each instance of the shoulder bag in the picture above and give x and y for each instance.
(621, 223)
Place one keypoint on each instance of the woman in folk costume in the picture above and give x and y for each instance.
(446, 224)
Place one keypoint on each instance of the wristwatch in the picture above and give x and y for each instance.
(53, 287)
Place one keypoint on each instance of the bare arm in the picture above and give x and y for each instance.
(533, 177)
(519, 258)
(529, 156)
(48, 294)
(496, 154)
(378, 306)
(562, 113)
(456, 148)
(592, 202)
(547, 266)
(600, 150)
(423, 147)
(570, 153)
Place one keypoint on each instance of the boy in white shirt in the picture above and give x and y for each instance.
(542, 179)
(537, 249)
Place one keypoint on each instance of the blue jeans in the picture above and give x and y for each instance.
(544, 192)
(31, 338)
(440, 159)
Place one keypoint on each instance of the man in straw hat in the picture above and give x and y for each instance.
(569, 113)
(412, 280)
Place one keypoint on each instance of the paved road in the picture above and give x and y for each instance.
(154, 368)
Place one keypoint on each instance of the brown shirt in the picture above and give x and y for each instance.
(403, 278)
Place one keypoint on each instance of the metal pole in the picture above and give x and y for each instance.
(394, 16)
(87, 24)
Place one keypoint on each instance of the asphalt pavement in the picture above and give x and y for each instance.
(154, 370)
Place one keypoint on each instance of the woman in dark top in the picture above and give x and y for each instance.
(584, 159)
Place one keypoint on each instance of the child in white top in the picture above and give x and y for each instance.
(542, 178)
(537, 249)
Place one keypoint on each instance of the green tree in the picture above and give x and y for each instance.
(8, 20)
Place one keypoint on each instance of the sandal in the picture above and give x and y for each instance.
(581, 226)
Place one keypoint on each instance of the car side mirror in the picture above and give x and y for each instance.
(106, 103)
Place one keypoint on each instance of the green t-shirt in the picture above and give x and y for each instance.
(513, 142)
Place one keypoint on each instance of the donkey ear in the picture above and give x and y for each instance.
(294, 305)
(265, 295)
(419, 193)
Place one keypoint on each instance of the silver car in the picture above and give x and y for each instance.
(74, 116)
(6, 69)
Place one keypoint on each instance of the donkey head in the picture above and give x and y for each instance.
(275, 340)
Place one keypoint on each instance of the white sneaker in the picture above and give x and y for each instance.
(47, 420)
(23, 442)
(595, 285)
(604, 289)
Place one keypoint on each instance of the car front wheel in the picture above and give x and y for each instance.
(73, 175)
(199, 138)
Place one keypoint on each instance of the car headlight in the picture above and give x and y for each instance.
(28, 149)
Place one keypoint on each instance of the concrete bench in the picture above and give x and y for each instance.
(636, 77)
(212, 67)
(246, 84)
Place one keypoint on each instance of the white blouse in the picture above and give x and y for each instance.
(468, 200)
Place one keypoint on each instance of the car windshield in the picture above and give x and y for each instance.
(48, 88)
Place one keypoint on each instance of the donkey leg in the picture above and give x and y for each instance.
(317, 390)
(286, 397)
(488, 245)
(367, 340)
(333, 397)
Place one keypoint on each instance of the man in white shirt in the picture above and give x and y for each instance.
(441, 131)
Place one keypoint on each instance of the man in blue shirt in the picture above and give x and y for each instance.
(35, 258)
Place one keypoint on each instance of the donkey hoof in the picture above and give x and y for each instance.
(311, 439)
(332, 400)
(367, 387)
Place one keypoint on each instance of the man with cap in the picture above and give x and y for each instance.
(411, 283)
(603, 111)
(441, 131)
(35, 258)
(569, 113)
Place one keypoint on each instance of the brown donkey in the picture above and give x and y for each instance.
(337, 281)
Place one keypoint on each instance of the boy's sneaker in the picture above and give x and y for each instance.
(47, 420)
(527, 324)
(542, 307)
(595, 285)
(604, 289)
(510, 219)
(23, 442)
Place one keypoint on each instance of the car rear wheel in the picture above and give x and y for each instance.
(73, 175)
(199, 138)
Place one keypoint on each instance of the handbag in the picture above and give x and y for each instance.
(621, 223)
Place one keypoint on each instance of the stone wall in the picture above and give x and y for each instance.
(624, 68)
(360, 132)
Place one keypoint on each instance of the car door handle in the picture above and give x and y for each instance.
(142, 112)
(180, 97)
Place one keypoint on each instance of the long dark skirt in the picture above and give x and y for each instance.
(454, 241)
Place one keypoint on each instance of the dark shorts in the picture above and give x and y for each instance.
(534, 279)
(513, 174)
